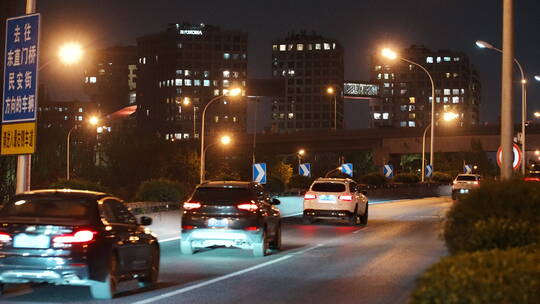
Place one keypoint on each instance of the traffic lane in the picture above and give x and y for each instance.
(178, 271)
(377, 264)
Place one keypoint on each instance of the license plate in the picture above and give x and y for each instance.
(24, 240)
(327, 198)
(219, 223)
(464, 191)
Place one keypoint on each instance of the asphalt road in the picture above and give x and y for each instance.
(327, 262)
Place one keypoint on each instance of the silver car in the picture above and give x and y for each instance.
(464, 183)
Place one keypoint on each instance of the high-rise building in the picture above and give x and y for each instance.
(309, 64)
(111, 79)
(180, 70)
(405, 89)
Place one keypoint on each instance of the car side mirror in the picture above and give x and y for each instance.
(275, 201)
(364, 192)
(145, 221)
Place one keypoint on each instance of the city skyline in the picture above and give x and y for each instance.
(358, 26)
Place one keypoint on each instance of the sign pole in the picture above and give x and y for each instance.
(24, 161)
(507, 126)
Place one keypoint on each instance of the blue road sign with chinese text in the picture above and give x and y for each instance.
(21, 69)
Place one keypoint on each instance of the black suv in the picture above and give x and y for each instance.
(74, 237)
(232, 214)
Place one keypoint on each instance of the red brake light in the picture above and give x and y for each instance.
(4, 237)
(81, 236)
(251, 228)
(310, 196)
(248, 206)
(188, 227)
(192, 205)
(346, 197)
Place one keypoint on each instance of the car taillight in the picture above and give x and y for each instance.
(476, 182)
(248, 206)
(4, 237)
(188, 227)
(81, 236)
(310, 196)
(192, 205)
(251, 228)
(346, 197)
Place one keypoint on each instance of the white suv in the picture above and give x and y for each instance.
(336, 198)
(464, 183)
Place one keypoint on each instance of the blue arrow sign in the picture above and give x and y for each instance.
(388, 171)
(429, 171)
(259, 173)
(305, 169)
(467, 169)
(347, 169)
(21, 69)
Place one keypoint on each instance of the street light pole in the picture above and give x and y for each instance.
(483, 44)
(507, 89)
(67, 151)
(424, 153)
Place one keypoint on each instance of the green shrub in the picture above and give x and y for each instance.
(374, 178)
(79, 184)
(407, 178)
(496, 215)
(274, 185)
(161, 190)
(441, 177)
(300, 182)
(495, 276)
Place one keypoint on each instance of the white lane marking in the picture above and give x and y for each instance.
(306, 250)
(212, 281)
(170, 239)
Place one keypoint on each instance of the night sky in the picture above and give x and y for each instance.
(362, 26)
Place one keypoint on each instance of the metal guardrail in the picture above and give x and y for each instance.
(152, 207)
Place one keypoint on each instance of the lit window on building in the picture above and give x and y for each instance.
(386, 84)
(429, 59)
(186, 135)
(447, 59)
(327, 46)
(226, 56)
(402, 123)
(291, 72)
(92, 79)
(438, 99)
(290, 115)
(403, 108)
(455, 75)
(385, 115)
(333, 46)
(206, 74)
(455, 99)
(80, 110)
(439, 59)
(179, 45)
(299, 47)
(274, 47)
(317, 46)
(462, 91)
(412, 99)
(226, 83)
(379, 76)
(197, 82)
(226, 74)
(377, 116)
(446, 91)
(206, 83)
(455, 91)
(179, 72)
(290, 47)
(412, 115)
(411, 108)
(235, 119)
(446, 99)
(310, 47)
(187, 82)
(282, 47)
(187, 72)
(178, 82)
(144, 60)
(216, 119)
(378, 68)
(412, 124)
(447, 75)
(456, 58)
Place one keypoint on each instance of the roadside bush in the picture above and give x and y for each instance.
(300, 182)
(495, 276)
(441, 177)
(374, 178)
(161, 190)
(274, 185)
(79, 184)
(406, 178)
(500, 214)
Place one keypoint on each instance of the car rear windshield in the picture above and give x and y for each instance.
(466, 178)
(328, 187)
(51, 208)
(222, 196)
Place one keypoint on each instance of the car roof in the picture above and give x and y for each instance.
(333, 179)
(64, 192)
(468, 175)
(227, 184)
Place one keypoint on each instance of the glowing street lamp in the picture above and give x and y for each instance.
(332, 91)
(300, 153)
(390, 54)
(232, 92)
(225, 140)
(484, 45)
(70, 53)
(93, 121)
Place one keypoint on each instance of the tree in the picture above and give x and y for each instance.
(281, 171)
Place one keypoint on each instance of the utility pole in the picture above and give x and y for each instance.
(507, 126)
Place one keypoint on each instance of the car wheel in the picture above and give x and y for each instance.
(105, 290)
(364, 217)
(260, 249)
(308, 220)
(186, 248)
(454, 195)
(354, 219)
(276, 243)
(153, 272)
(2, 286)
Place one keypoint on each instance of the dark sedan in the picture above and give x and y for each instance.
(73, 237)
(232, 214)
